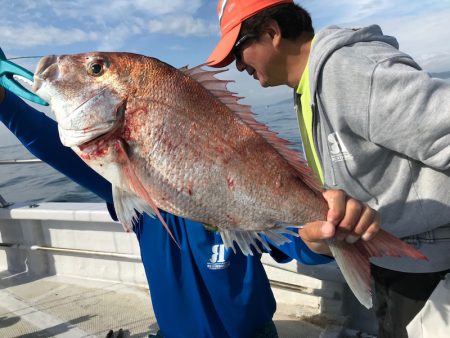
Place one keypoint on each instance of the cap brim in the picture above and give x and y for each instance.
(221, 55)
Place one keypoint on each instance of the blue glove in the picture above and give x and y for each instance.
(7, 70)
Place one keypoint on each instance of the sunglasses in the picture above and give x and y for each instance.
(238, 46)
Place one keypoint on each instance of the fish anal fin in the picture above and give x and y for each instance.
(246, 239)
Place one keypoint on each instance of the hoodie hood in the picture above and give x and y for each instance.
(332, 38)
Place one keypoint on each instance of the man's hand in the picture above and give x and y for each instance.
(347, 219)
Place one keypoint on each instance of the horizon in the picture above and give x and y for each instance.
(184, 33)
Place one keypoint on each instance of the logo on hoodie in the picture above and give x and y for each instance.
(338, 150)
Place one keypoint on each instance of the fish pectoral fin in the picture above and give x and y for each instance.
(246, 239)
(136, 184)
(127, 206)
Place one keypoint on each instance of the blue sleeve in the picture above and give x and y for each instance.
(39, 134)
(298, 250)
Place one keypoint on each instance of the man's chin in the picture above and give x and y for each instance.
(263, 83)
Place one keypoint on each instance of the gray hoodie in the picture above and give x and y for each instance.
(382, 132)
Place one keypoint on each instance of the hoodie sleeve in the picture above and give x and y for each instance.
(409, 112)
(39, 134)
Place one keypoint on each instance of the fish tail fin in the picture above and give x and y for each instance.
(246, 239)
(355, 267)
(385, 244)
(353, 260)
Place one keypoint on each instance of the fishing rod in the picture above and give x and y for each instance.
(25, 57)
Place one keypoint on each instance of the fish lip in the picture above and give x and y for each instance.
(120, 114)
(47, 66)
(44, 63)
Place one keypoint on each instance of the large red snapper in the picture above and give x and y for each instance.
(177, 140)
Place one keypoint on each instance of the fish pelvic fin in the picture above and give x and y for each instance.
(353, 260)
(246, 239)
(128, 206)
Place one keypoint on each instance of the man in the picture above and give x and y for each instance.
(200, 289)
(358, 98)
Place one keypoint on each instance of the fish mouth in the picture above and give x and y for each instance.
(47, 69)
(84, 139)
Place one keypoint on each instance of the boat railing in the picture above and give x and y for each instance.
(26, 161)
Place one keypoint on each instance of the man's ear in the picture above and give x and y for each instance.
(274, 32)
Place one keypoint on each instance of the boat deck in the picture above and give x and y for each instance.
(71, 307)
(67, 270)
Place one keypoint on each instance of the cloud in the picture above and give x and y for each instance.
(177, 48)
(37, 35)
(165, 7)
(251, 91)
(181, 26)
(108, 23)
(348, 11)
(421, 27)
(103, 11)
(339, 11)
(115, 37)
(343, 10)
(437, 62)
(424, 37)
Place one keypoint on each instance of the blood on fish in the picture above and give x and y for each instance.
(230, 182)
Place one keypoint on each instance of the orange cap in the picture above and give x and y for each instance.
(231, 15)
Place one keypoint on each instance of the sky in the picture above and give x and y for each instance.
(185, 32)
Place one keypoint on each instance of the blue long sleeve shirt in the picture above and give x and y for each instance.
(200, 290)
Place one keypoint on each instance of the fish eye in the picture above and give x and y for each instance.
(95, 68)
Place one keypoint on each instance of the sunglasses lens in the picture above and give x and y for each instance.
(237, 49)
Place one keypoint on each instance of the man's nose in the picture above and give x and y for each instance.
(240, 66)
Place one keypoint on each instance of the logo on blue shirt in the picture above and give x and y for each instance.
(218, 261)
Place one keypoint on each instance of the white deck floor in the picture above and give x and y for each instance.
(91, 280)
(71, 307)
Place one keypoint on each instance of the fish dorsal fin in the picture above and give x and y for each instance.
(219, 89)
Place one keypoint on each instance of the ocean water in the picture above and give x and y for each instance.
(38, 182)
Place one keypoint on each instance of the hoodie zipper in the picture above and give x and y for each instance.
(319, 154)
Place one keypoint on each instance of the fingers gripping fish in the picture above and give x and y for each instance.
(178, 140)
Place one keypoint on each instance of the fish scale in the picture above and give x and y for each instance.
(179, 141)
